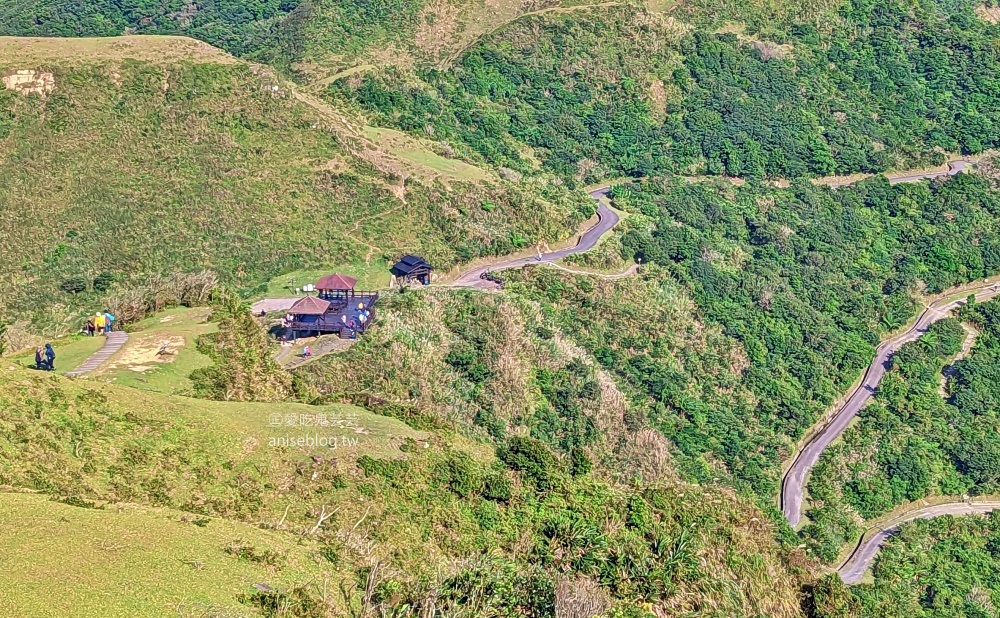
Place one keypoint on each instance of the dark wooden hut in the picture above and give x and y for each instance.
(412, 268)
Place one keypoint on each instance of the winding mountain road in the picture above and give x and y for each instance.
(606, 221)
(853, 569)
(794, 481)
(955, 167)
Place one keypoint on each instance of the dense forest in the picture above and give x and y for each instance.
(278, 32)
(805, 279)
(234, 25)
(623, 92)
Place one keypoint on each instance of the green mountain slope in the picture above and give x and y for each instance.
(623, 90)
(572, 446)
(133, 167)
(425, 518)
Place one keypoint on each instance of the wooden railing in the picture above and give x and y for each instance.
(332, 322)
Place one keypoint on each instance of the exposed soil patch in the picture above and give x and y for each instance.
(30, 81)
(658, 99)
(440, 22)
(946, 373)
(145, 353)
(989, 13)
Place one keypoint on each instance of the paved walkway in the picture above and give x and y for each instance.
(114, 342)
(273, 304)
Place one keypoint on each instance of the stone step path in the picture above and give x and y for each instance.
(115, 341)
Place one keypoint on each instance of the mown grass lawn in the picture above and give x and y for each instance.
(140, 364)
(373, 276)
(70, 352)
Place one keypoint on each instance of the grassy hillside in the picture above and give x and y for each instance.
(312, 39)
(573, 446)
(131, 167)
(417, 516)
(137, 561)
(623, 90)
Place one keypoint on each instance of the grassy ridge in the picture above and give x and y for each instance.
(145, 561)
(131, 168)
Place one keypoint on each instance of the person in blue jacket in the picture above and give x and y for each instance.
(50, 357)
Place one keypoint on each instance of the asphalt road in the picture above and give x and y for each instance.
(607, 219)
(956, 166)
(858, 562)
(793, 483)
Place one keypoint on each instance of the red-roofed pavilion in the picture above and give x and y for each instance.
(335, 285)
(309, 305)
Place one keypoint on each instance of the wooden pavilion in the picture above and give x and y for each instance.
(338, 308)
(412, 268)
(335, 286)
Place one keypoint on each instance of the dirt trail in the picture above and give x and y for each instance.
(948, 371)
(951, 168)
(628, 272)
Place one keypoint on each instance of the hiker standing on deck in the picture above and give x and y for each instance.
(109, 322)
(99, 322)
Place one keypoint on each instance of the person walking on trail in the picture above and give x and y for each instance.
(109, 322)
(306, 352)
(99, 322)
(50, 357)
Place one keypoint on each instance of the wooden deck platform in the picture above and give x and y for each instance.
(333, 321)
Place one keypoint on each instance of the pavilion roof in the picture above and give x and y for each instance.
(336, 282)
(309, 305)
